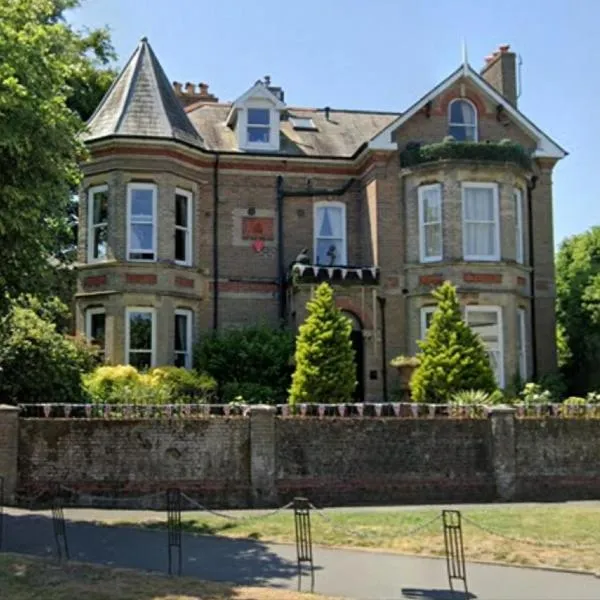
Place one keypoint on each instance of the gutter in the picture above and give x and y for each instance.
(216, 242)
(530, 187)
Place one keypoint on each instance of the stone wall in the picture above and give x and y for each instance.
(265, 460)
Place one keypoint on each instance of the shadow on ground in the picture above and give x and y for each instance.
(423, 594)
(245, 562)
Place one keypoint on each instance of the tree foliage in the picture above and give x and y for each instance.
(452, 356)
(325, 370)
(50, 75)
(578, 310)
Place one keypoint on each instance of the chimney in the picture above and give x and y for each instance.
(190, 89)
(191, 95)
(500, 71)
(177, 87)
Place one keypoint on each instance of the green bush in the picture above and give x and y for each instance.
(478, 397)
(452, 356)
(534, 393)
(38, 364)
(325, 370)
(573, 407)
(248, 393)
(485, 151)
(258, 356)
(124, 384)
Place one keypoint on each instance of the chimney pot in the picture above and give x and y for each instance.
(267, 80)
(190, 88)
(489, 58)
(504, 48)
(203, 88)
(177, 87)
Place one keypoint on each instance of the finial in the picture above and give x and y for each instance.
(465, 60)
(144, 39)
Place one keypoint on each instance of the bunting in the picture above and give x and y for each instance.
(127, 411)
(538, 410)
(360, 408)
(321, 410)
(520, 411)
(373, 272)
(303, 409)
(344, 273)
(342, 410)
(226, 410)
(168, 411)
(67, 409)
(47, 410)
(378, 409)
(88, 410)
(415, 410)
(187, 410)
(432, 408)
(285, 410)
(106, 411)
(396, 408)
(330, 271)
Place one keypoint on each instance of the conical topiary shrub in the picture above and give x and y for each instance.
(325, 371)
(452, 356)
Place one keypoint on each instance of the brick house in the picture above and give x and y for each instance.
(198, 215)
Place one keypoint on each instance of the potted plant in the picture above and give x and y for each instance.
(406, 366)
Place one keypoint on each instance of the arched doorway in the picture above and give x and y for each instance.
(359, 354)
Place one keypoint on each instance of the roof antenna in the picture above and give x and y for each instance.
(519, 84)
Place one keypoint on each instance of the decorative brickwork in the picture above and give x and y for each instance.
(521, 281)
(433, 280)
(487, 278)
(184, 282)
(254, 228)
(141, 278)
(94, 281)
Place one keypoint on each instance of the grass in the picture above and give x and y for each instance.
(547, 528)
(24, 578)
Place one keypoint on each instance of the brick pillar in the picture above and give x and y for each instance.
(9, 449)
(504, 462)
(262, 455)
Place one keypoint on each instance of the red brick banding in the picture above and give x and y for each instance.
(436, 279)
(254, 228)
(350, 306)
(141, 278)
(94, 280)
(184, 282)
(482, 278)
(521, 281)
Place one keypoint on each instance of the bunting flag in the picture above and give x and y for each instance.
(303, 409)
(330, 271)
(168, 411)
(415, 410)
(206, 410)
(88, 410)
(47, 409)
(187, 410)
(554, 408)
(432, 410)
(342, 410)
(378, 409)
(344, 273)
(226, 410)
(396, 407)
(106, 411)
(520, 411)
(300, 268)
(321, 410)
(359, 273)
(374, 272)
(360, 408)
(148, 411)
(67, 409)
(127, 411)
(538, 410)
(470, 411)
(285, 410)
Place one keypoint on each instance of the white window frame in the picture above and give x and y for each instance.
(518, 203)
(274, 126)
(425, 310)
(330, 203)
(142, 186)
(140, 309)
(479, 185)
(422, 224)
(475, 125)
(97, 189)
(189, 315)
(89, 313)
(522, 339)
(498, 311)
(187, 230)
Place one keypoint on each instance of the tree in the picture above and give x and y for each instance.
(578, 310)
(452, 356)
(325, 370)
(47, 72)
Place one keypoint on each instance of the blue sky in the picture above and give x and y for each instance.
(384, 55)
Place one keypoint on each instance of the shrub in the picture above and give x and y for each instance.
(248, 393)
(325, 370)
(185, 384)
(533, 393)
(259, 355)
(452, 356)
(573, 407)
(478, 397)
(405, 361)
(38, 364)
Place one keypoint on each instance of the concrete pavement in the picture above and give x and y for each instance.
(348, 573)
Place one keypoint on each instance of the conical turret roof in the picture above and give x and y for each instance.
(141, 103)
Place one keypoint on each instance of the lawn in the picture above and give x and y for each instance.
(566, 536)
(24, 578)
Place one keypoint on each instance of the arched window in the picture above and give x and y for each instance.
(462, 120)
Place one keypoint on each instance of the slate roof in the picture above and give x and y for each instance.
(340, 135)
(141, 102)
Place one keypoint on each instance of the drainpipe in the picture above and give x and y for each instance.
(216, 243)
(530, 187)
(381, 301)
(281, 194)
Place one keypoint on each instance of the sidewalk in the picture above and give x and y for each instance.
(348, 573)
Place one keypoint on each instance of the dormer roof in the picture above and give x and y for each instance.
(141, 103)
(259, 91)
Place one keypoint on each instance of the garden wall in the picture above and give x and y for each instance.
(265, 460)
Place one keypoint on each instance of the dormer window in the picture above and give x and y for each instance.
(259, 125)
(462, 120)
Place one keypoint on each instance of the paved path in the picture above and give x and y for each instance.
(353, 574)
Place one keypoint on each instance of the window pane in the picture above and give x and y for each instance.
(180, 245)
(100, 241)
(140, 331)
(432, 208)
(180, 360)
(485, 324)
(258, 116)
(330, 252)
(330, 221)
(181, 341)
(97, 328)
(479, 204)
(100, 204)
(141, 204)
(140, 360)
(141, 237)
(258, 135)
(462, 112)
(181, 210)
(433, 239)
(481, 239)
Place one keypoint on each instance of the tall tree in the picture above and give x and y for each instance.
(452, 356)
(578, 310)
(325, 370)
(50, 74)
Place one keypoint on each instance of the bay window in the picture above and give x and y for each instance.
(183, 227)
(97, 223)
(518, 208)
(183, 338)
(521, 344)
(430, 222)
(426, 318)
(330, 233)
(481, 227)
(486, 321)
(141, 222)
(95, 328)
(140, 337)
